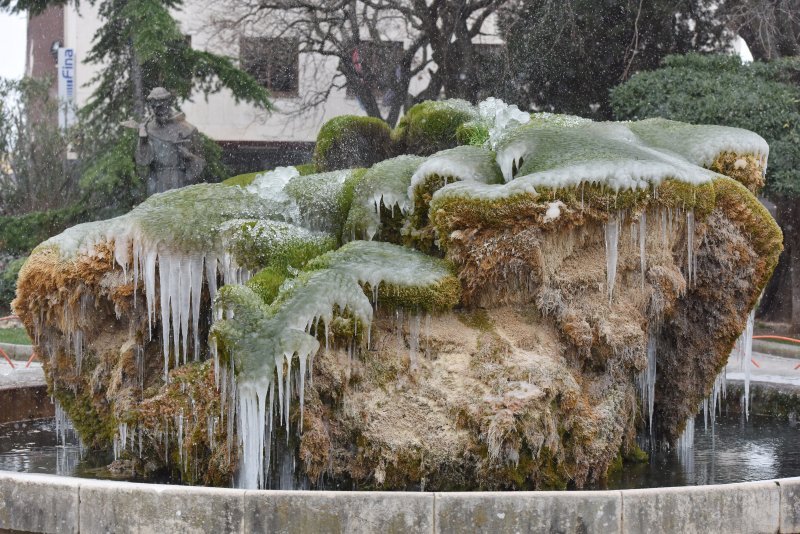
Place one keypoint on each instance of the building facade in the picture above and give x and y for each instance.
(251, 139)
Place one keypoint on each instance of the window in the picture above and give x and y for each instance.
(377, 63)
(273, 62)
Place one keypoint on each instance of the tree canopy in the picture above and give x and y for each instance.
(569, 53)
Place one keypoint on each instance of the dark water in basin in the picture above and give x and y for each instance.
(735, 451)
(34, 447)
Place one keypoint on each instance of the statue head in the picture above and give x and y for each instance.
(160, 101)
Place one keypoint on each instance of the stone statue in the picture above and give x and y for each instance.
(168, 145)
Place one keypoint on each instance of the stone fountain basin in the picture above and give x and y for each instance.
(44, 503)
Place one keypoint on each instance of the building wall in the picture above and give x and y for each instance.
(43, 31)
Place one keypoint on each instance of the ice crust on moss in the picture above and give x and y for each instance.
(176, 241)
(605, 153)
(700, 144)
(321, 199)
(464, 163)
(271, 185)
(384, 185)
(264, 341)
(254, 243)
(544, 154)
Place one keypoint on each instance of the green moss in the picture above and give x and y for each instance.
(448, 213)
(266, 283)
(431, 126)
(242, 180)
(676, 194)
(452, 212)
(470, 163)
(351, 141)
(439, 297)
(635, 455)
(306, 168)
(751, 217)
(472, 133)
(257, 244)
(95, 428)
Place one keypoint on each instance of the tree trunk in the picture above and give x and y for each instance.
(782, 296)
(791, 236)
(776, 304)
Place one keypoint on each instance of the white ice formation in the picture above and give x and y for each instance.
(264, 342)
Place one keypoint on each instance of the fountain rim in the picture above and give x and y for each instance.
(42, 502)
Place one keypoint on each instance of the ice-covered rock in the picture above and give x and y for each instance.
(485, 325)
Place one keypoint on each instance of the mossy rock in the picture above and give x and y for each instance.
(243, 180)
(256, 244)
(432, 126)
(351, 141)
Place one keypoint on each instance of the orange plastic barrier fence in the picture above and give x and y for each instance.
(781, 338)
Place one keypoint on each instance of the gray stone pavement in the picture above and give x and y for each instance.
(20, 376)
(768, 369)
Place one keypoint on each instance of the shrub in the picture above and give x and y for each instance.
(8, 281)
(19, 234)
(351, 141)
(433, 125)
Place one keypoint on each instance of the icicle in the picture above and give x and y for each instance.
(173, 305)
(746, 351)
(717, 392)
(303, 360)
(77, 348)
(686, 446)
(212, 346)
(252, 417)
(150, 287)
(279, 370)
(196, 289)
(63, 424)
(180, 438)
(642, 244)
(611, 243)
(287, 391)
(163, 275)
(647, 380)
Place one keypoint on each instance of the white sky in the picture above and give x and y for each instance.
(12, 43)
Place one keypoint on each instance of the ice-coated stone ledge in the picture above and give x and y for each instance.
(45, 503)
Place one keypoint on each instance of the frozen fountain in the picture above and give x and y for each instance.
(477, 315)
